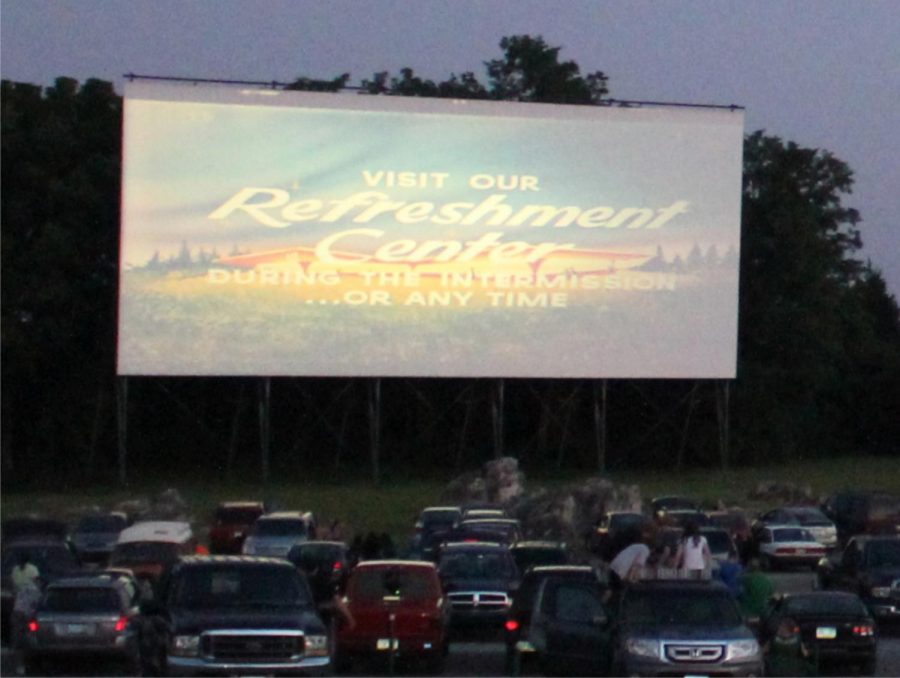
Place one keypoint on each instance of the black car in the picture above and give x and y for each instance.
(863, 513)
(479, 579)
(869, 567)
(88, 618)
(504, 530)
(316, 558)
(432, 525)
(96, 534)
(659, 506)
(834, 625)
(239, 615)
(518, 620)
(570, 629)
(529, 554)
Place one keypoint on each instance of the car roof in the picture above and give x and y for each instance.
(678, 584)
(85, 582)
(381, 564)
(474, 546)
(537, 544)
(240, 504)
(560, 569)
(429, 509)
(287, 515)
(166, 531)
(200, 561)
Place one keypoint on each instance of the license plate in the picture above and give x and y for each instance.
(826, 632)
(385, 644)
(75, 629)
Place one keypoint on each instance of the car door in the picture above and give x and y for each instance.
(576, 626)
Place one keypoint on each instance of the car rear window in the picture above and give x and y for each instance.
(477, 565)
(791, 534)
(280, 528)
(234, 586)
(824, 605)
(811, 517)
(145, 552)
(81, 600)
(680, 607)
(406, 583)
(529, 556)
(240, 516)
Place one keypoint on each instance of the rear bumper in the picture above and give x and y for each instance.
(404, 645)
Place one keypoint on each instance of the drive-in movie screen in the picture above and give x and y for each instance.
(270, 232)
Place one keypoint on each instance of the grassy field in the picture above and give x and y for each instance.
(392, 507)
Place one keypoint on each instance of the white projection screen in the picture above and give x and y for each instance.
(269, 232)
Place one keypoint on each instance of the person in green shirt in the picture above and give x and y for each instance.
(757, 589)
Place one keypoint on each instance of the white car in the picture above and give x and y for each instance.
(273, 534)
(810, 517)
(788, 545)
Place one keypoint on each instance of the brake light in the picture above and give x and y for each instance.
(337, 567)
(863, 630)
(33, 626)
(512, 625)
(121, 624)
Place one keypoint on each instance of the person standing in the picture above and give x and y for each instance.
(693, 554)
(26, 582)
(756, 591)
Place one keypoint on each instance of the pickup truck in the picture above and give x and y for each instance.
(238, 615)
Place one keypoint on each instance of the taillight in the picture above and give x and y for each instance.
(864, 630)
(121, 624)
(512, 625)
(33, 626)
(337, 567)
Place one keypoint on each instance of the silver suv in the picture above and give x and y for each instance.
(683, 627)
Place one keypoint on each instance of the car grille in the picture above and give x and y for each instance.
(252, 646)
(472, 600)
(694, 653)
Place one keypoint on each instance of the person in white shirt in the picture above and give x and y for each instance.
(693, 553)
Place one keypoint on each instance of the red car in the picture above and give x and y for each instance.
(399, 614)
(231, 524)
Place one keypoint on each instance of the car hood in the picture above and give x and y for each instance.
(190, 622)
(669, 632)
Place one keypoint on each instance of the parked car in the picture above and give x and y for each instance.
(788, 545)
(683, 627)
(433, 523)
(528, 554)
(274, 534)
(614, 532)
(150, 547)
(869, 567)
(231, 523)
(834, 625)
(237, 615)
(400, 614)
(518, 620)
(863, 513)
(478, 579)
(570, 629)
(682, 518)
(53, 559)
(314, 557)
(87, 617)
(96, 535)
(659, 506)
(510, 528)
(808, 517)
(33, 529)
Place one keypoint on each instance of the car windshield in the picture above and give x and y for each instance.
(884, 553)
(372, 584)
(144, 552)
(548, 555)
(237, 515)
(88, 599)
(791, 534)
(282, 527)
(234, 586)
(477, 565)
(680, 608)
(824, 605)
(101, 524)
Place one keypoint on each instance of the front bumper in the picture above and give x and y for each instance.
(196, 666)
(638, 666)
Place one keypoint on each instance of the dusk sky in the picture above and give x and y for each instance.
(822, 73)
